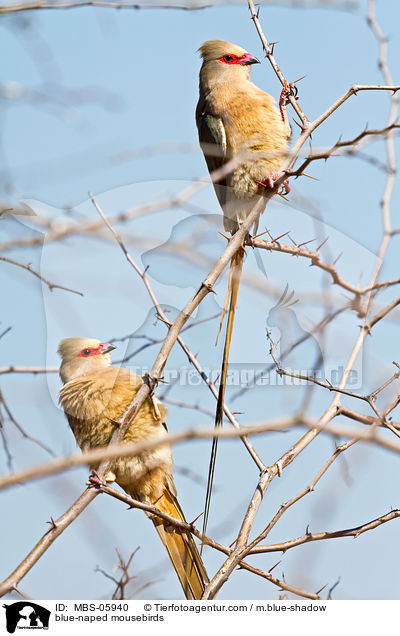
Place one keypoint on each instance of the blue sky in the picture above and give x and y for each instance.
(83, 93)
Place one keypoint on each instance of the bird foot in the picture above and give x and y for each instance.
(94, 479)
(249, 240)
(269, 183)
(287, 91)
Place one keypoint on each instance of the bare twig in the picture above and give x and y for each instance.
(126, 449)
(43, 4)
(47, 282)
(15, 369)
(18, 426)
(314, 257)
(322, 536)
(269, 54)
(352, 143)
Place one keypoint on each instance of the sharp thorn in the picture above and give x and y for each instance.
(323, 243)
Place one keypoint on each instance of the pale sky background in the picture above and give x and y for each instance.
(82, 92)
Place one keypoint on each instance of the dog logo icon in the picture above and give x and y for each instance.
(26, 615)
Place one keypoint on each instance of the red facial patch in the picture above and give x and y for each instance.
(89, 351)
(230, 59)
(244, 60)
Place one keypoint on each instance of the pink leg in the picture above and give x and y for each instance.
(269, 183)
(288, 89)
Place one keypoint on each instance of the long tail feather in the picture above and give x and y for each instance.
(226, 302)
(181, 549)
(233, 287)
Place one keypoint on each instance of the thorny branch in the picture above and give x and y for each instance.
(321, 536)
(189, 354)
(242, 547)
(362, 303)
(268, 49)
(314, 257)
(350, 145)
(127, 449)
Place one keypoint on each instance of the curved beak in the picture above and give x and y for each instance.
(106, 347)
(248, 59)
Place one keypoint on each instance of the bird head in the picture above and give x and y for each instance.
(82, 356)
(224, 62)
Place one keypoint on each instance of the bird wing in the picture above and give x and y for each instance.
(93, 402)
(212, 137)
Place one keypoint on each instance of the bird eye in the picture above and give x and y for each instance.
(87, 352)
(228, 58)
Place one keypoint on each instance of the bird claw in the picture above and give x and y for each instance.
(269, 183)
(94, 480)
(285, 189)
(289, 90)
